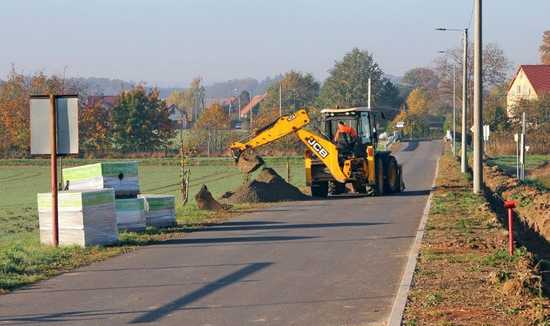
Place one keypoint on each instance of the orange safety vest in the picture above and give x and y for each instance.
(347, 130)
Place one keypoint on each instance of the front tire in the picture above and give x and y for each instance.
(336, 188)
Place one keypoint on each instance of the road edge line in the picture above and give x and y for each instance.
(398, 308)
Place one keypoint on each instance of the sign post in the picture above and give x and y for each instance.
(54, 132)
(53, 170)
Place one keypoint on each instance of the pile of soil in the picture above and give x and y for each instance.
(206, 201)
(268, 186)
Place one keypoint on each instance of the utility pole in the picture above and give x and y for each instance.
(280, 99)
(464, 129)
(463, 160)
(454, 110)
(369, 95)
(478, 104)
(251, 107)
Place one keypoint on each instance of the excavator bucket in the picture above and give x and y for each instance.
(248, 161)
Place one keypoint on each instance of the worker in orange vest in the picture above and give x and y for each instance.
(345, 130)
(346, 136)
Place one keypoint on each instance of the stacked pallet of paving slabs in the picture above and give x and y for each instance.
(130, 214)
(121, 176)
(160, 210)
(86, 218)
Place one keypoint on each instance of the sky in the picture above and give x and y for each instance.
(168, 42)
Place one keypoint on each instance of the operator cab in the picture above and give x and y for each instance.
(362, 119)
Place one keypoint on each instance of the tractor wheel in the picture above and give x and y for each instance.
(393, 182)
(336, 188)
(380, 183)
(319, 189)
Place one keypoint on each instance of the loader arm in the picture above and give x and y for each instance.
(323, 148)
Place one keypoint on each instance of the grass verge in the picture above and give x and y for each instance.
(23, 260)
(464, 275)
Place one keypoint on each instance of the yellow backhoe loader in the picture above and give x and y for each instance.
(330, 166)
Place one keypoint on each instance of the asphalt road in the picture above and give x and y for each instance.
(331, 262)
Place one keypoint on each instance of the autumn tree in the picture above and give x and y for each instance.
(140, 121)
(190, 100)
(544, 49)
(424, 78)
(537, 113)
(298, 90)
(14, 114)
(414, 125)
(213, 117)
(95, 127)
(211, 131)
(347, 84)
(418, 102)
(494, 108)
(496, 67)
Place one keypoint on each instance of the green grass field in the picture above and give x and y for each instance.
(24, 260)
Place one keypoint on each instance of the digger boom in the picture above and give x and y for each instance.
(322, 147)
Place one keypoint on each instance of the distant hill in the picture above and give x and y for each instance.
(219, 90)
(228, 88)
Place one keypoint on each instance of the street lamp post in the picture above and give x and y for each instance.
(464, 129)
(239, 99)
(478, 103)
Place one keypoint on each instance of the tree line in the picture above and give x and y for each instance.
(139, 121)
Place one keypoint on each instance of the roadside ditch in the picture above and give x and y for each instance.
(464, 274)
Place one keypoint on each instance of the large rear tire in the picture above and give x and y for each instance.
(319, 189)
(380, 182)
(393, 179)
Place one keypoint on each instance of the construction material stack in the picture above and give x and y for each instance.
(159, 210)
(120, 176)
(123, 178)
(86, 217)
(101, 199)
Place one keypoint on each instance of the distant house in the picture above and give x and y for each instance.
(178, 117)
(107, 101)
(529, 83)
(245, 110)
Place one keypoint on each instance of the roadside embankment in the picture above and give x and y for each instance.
(464, 275)
(533, 203)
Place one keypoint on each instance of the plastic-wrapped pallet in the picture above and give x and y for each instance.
(86, 218)
(160, 210)
(121, 176)
(130, 214)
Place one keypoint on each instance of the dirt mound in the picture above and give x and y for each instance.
(268, 186)
(541, 171)
(206, 201)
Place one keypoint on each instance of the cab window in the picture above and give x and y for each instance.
(365, 132)
(332, 126)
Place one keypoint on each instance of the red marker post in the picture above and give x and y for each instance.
(510, 205)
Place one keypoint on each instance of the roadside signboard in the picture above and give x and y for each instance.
(67, 124)
(486, 132)
(54, 130)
